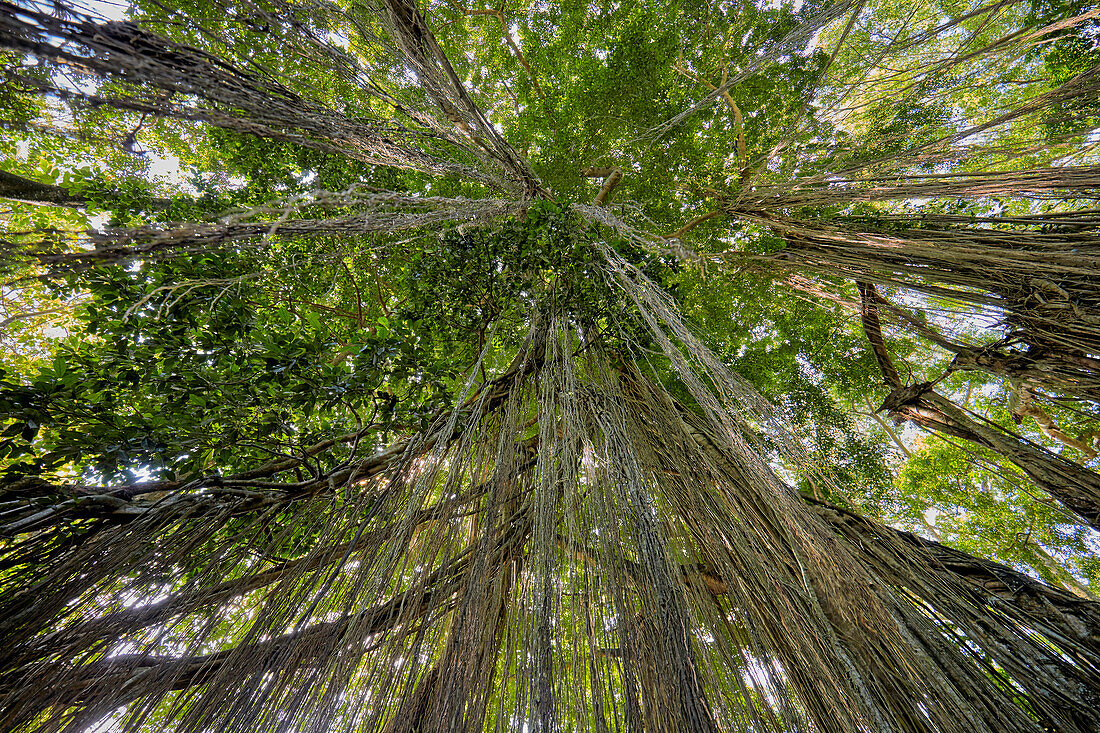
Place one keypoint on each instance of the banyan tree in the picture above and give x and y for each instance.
(421, 398)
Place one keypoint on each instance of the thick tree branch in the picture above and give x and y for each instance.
(24, 190)
(918, 326)
(422, 49)
(1066, 614)
(609, 185)
(873, 329)
(611, 176)
(186, 602)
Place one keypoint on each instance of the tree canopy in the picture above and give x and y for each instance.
(379, 365)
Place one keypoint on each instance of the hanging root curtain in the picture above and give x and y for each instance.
(573, 546)
(1041, 274)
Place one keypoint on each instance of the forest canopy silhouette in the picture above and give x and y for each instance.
(375, 365)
